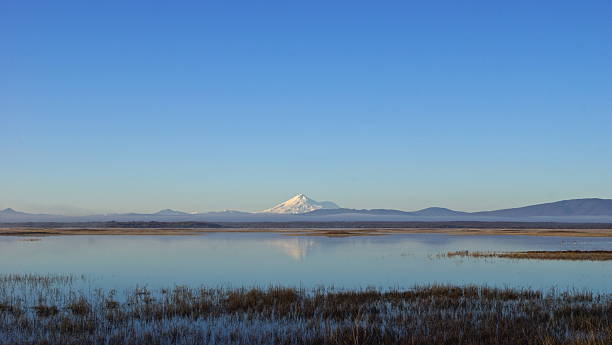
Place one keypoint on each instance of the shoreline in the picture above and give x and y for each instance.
(329, 232)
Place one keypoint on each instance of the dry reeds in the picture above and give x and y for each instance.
(586, 255)
(435, 314)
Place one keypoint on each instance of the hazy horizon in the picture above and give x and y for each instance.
(75, 211)
(126, 107)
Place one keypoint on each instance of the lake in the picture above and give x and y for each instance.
(239, 259)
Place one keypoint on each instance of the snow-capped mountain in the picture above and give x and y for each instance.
(303, 209)
(300, 204)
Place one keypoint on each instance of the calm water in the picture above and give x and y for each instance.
(263, 259)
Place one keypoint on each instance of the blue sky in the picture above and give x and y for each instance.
(138, 106)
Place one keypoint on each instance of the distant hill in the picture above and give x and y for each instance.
(564, 208)
(438, 212)
(169, 212)
(10, 215)
(10, 212)
(427, 212)
(326, 212)
(304, 209)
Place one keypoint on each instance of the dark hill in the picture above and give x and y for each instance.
(574, 207)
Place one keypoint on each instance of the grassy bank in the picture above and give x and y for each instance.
(576, 255)
(48, 310)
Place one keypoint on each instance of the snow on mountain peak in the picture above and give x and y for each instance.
(300, 204)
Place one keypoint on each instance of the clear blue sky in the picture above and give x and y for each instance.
(200, 105)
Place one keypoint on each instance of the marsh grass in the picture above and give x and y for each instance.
(434, 314)
(586, 255)
(38, 279)
(45, 310)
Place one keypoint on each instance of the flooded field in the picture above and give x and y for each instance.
(44, 309)
(263, 259)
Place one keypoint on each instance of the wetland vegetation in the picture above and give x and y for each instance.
(49, 310)
(585, 255)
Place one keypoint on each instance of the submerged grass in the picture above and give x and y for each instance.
(586, 255)
(435, 314)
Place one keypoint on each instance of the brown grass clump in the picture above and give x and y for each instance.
(46, 311)
(4, 307)
(110, 304)
(80, 307)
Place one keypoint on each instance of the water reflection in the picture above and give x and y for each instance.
(263, 258)
(295, 247)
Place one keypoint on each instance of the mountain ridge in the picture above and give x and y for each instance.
(584, 207)
(306, 209)
(170, 212)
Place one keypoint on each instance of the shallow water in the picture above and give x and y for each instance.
(237, 259)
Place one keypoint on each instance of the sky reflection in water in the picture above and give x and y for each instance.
(265, 258)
